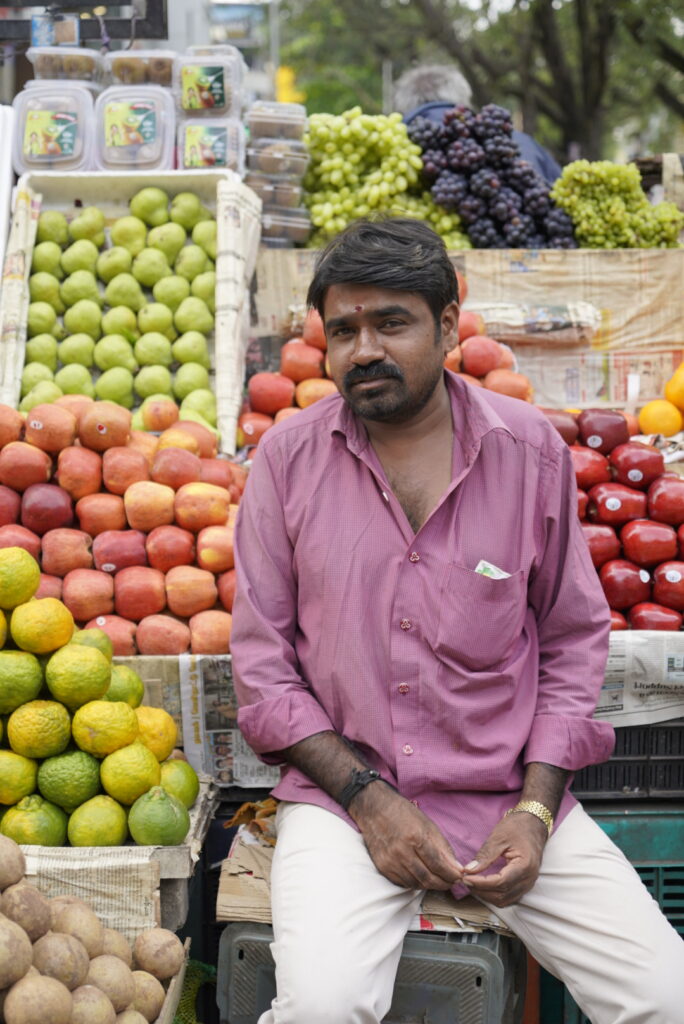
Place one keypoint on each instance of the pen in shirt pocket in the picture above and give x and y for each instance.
(488, 569)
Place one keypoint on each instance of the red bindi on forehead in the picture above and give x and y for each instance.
(358, 309)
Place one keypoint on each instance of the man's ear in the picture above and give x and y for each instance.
(449, 325)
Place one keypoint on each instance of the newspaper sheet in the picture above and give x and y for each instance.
(644, 681)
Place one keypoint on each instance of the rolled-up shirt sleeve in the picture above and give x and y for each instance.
(573, 625)
(276, 706)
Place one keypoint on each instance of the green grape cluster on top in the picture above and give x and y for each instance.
(610, 210)
(363, 164)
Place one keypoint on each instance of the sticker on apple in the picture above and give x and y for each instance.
(108, 567)
(613, 504)
(672, 576)
(643, 576)
(594, 441)
(101, 428)
(635, 475)
(36, 425)
(100, 620)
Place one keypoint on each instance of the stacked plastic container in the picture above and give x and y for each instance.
(208, 85)
(276, 163)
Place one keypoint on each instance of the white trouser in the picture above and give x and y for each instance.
(339, 926)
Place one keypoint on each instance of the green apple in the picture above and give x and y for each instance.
(88, 224)
(47, 257)
(186, 210)
(193, 315)
(204, 287)
(52, 227)
(116, 385)
(41, 319)
(129, 233)
(192, 260)
(204, 234)
(150, 266)
(188, 378)
(112, 351)
(191, 347)
(42, 349)
(44, 392)
(77, 348)
(171, 291)
(82, 255)
(32, 374)
(43, 287)
(169, 238)
(75, 380)
(150, 205)
(84, 317)
(111, 262)
(153, 349)
(121, 320)
(203, 401)
(155, 316)
(80, 285)
(124, 290)
(152, 380)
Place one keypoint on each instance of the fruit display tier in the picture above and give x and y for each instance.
(237, 211)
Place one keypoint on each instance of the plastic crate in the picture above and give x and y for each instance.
(473, 978)
(648, 762)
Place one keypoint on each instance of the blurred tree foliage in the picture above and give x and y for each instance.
(573, 70)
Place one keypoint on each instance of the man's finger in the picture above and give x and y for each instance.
(486, 855)
(440, 861)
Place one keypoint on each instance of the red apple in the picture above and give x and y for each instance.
(226, 589)
(162, 634)
(169, 546)
(469, 324)
(14, 536)
(269, 392)
(602, 541)
(119, 549)
(11, 425)
(624, 583)
(104, 425)
(647, 543)
(300, 361)
(51, 427)
(591, 467)
(99, 512)
(564, 422)
(22, 465)
(668, 585)
(218, 472)
(210, 632)
(199, 505)
(602, 429)
(149, 505)
(144, 443)
(205, 438)
(636, 464)
(582, 500)
(79, 471)
(46, 507)
(313, 332)
(654, 616)
(139, 591)
(10, 503)
(50, 586)
(239, 475)
(76, 404)
(480, 355)
(190, 590)
(175, 437)
(123, 466)
(614, 504)
(88, 593)
(215, 548)
(65, 550)
(175, 467)
(618, 621)
(159, 413)
(120, 631)
(665, 500)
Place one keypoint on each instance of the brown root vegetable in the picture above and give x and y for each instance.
(159, 952)
(149, 995)
(38, 1000)
(91, 1006)
(12, 862)
(114, 978)
(16, 953)
(58, 903)
(83, 924)
(131, 1017)
(507, 382)
(62, 957)
(27, 907)
(116, 944)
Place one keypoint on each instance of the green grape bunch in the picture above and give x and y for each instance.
(610, 210)
(361, 164)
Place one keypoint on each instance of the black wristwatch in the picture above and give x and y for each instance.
(358, 780)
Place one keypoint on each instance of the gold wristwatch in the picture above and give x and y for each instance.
(536, 808)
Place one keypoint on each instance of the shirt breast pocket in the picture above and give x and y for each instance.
(480, 618)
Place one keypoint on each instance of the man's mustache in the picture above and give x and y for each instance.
(373, 372)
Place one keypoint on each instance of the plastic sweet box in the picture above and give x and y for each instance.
(284, 193)
(273, 120)
(208, 86)
(140, 67)
(134, 128)
(65, 62)
(277, 158)
(211, 142)
(282, 228)
(53, 128)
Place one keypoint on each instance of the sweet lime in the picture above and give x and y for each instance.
(660, 417)
(126, 685)
(98, 822)
(41, 626)
(41, 728)
(102, 726)
(158, 819)
(22, 679)
(17, 777)
(69, 779)
(76, 675)
(35, 822)
(180, 780)
(158, 731)
(94, 638)
(19, 577)
(129, 772)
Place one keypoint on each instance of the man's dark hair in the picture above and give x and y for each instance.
(396, 253)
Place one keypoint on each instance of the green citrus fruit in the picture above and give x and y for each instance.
(76, 675)
(22, 679)
(41, 728)
(94, 638)
(158, 819)
(17, 777)
(69, 779)
(35, 822)
(102, 726)
(158, 731)
(41, 626)
(98, 822)
(126, 685)
(19, 577)
(129, 772)
(180, 780)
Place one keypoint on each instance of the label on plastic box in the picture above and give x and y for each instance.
(202, 87)
(50, 134)
(205, 147)
(130, 124)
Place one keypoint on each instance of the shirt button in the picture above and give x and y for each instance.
(405, 623)
(414, 557)
(404, 688)
(415, 803)
(407, 749)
